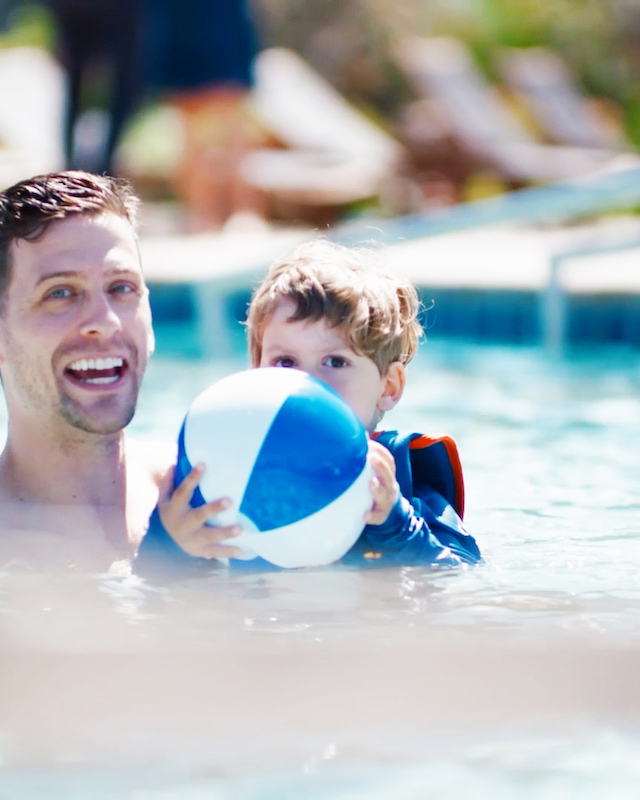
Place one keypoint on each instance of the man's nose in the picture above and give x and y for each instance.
(100, 318)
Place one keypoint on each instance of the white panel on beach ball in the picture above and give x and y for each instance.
(292, 457)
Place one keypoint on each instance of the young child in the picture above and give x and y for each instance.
(339, 315)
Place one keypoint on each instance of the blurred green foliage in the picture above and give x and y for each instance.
(28, 24)
(350, 41)
(597, 38)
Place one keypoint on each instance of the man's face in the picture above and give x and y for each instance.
(75, 330)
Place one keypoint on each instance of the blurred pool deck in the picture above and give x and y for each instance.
(531, 279)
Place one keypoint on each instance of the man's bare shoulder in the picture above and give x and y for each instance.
(155, 457)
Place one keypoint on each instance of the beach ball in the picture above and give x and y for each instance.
(292, 457)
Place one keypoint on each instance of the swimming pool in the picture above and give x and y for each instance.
(515, 679)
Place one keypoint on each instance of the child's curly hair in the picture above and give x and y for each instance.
(374, 308)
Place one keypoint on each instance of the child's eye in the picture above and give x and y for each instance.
(284, 361)
(337, 362)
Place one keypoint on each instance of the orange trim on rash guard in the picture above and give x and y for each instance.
(420, 442)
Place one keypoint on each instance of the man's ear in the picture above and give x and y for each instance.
(393, 387)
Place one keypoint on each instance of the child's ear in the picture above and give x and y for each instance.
(393, 387)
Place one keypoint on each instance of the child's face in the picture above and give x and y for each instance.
(320, 350)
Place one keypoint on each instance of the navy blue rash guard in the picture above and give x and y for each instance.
(424, 526)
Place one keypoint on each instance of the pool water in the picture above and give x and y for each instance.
(513, 679)
(551, 454)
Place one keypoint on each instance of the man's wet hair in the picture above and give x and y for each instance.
(28, 208)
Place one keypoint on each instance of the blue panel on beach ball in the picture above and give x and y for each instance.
(314, 450)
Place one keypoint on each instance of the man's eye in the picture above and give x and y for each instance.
(122, 288)
(58, 293)
(336, 362)
(284, 361)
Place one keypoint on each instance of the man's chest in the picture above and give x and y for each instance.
(56, 537)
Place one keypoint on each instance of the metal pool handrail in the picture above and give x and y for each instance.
(595, 193)
(553, 307)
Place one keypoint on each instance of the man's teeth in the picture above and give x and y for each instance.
(110, 379)
(83, 364)
(89, 369)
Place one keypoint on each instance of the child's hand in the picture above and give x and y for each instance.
(186, 525)
(384, 486)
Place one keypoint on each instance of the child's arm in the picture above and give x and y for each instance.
(177, 535)
(423, 530)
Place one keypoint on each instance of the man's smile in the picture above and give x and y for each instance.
(97, 371)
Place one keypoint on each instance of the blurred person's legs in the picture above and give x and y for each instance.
(218, 132)
(99, 45)
(199, 55)
(126, 90)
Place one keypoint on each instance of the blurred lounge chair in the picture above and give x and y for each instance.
(441, 70)
(541, 80)
(31, 108)
(328, 154)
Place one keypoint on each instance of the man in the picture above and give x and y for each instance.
(75, 338)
